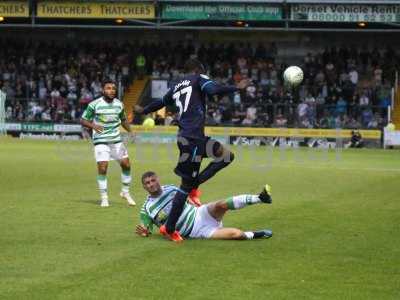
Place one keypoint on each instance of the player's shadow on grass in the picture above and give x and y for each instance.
(90, 201)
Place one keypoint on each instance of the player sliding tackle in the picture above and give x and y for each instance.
(196, 222)
(104, 116)
(189, 95)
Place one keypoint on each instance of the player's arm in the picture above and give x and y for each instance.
(146, 227)
(87, 119)
(156, 104)
(124, 121)
(125, 124)
(212, 88)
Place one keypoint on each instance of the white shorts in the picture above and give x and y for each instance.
(204, 224)
(107, 152)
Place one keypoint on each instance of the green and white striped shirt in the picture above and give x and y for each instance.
(156, 211)
(108, 115)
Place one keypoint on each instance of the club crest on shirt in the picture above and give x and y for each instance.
(162, 216)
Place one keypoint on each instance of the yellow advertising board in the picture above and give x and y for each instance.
(100, 10)
(14, 9)
(269, 132)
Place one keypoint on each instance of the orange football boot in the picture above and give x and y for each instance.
(175, 236)
(194, 197)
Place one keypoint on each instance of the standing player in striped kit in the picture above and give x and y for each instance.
(196, 222)
(104, 116)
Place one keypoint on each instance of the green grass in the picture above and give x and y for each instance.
(335, 217)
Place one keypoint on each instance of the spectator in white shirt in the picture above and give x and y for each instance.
(353, 76)
(364, 100)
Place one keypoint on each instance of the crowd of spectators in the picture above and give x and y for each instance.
(50, 81)
(343, 87)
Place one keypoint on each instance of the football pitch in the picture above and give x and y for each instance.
(335, 217)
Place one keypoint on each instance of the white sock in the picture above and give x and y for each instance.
(238, 202)
(249, 235)
(126, 180)
(102, 183)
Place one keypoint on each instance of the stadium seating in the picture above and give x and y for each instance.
(343, 87)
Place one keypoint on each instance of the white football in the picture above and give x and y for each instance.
(293, 75)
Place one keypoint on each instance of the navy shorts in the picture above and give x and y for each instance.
(191, 153)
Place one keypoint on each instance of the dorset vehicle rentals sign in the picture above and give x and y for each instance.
(345, 13)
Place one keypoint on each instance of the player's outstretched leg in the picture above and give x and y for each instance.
(224, 157)
(237, 234)
(219, 208)
(102, 182)
(176, 210)
(240, 201)
(126, 180)
(177, 206)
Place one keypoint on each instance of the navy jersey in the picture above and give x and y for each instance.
(189, 95)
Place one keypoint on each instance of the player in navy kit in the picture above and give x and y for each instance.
(189, 95)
